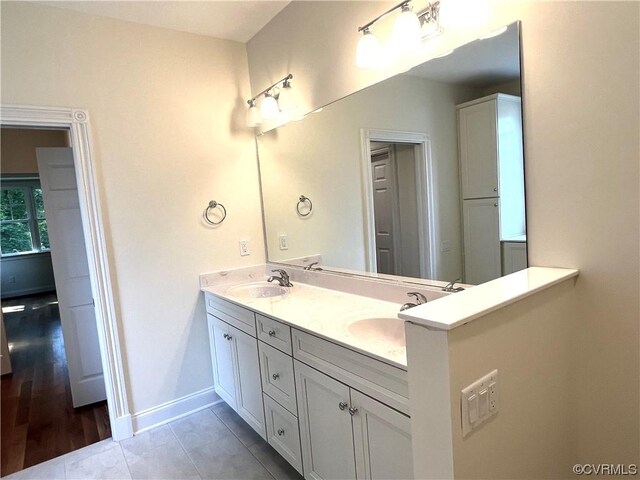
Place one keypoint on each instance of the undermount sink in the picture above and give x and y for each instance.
(385, 330)
(257, 290)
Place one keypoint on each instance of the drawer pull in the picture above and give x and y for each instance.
(272, 333)
(229, 337)
(275, 376)
(281, 431)
(226, 336)
(342, 405)
(353, 410)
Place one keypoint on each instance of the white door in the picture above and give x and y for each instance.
(382, 440)
(221, 353)
(248, 385)
(71, 272)
(325, 425)
(385, 212)
(478, 139)
(481, 240)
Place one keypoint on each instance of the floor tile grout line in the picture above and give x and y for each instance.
(185, 451)
(243, 444)
(125, 460)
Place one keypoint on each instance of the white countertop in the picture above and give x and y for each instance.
(327, 313)
(449, 312)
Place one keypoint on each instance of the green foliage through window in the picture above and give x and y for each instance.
(23, 226)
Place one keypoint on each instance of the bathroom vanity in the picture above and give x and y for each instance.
(320, 374)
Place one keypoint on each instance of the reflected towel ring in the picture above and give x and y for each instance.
(303, 201)
(212, 205)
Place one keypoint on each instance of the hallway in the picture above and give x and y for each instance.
(38, 420)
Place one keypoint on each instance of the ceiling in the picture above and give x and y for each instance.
(231, 20)
(482, 63)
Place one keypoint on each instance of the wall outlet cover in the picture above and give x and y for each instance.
(244, 248)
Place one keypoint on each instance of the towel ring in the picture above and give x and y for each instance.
(303, 201)
(213, 205)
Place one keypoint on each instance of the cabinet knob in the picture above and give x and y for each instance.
(229, 337)
(281, 431)
(495, 204)
(225, 336)
(272, 333)
(275, 376)
(342, 405)
(353, 410)
(495, 189)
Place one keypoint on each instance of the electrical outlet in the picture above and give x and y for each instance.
(283, 242)
(479, 402)
(244, 248)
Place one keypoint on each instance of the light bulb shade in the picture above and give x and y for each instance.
(368, 50)
(286, 98)
(463, 14)
(269, 107)
(406, 35)
(253, 117)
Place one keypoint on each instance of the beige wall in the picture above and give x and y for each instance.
(166, 111)
(18, 148)
(320, 157)
(581, 112)
(533, 434)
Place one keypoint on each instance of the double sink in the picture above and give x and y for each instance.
(386, 330)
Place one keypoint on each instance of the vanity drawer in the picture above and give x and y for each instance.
(283, 432)
(274, 333)
(379, 380)
(239, 317)
(276, 369)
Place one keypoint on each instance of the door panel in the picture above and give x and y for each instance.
(71, 272)
(481, 240)
(386, 213)
(248, 387)
(382, 439)
(224, 372)
(478, 150)
(325, 429)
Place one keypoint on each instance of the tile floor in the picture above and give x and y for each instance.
(213, 443)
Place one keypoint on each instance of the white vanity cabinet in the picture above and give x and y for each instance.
(348, 435)
(236, 367)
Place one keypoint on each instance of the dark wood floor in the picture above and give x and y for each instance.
(38, 421)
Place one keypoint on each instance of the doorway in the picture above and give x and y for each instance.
(53, 400)
(400, 224)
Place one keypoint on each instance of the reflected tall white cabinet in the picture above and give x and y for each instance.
(492, 184)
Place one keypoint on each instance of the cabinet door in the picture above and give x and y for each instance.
(478, 144)
(248, 386)
(222, 358)
(382, 440)
(325, 427)
(481, 240)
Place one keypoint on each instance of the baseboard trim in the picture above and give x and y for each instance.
(122, 428)
(174, 409)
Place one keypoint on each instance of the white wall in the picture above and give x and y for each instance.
(167, 116)
(581, 109)
(320, 157)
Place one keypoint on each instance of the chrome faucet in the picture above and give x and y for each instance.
(420, 299)
(283, 279)
(310, 267)
(450, 287)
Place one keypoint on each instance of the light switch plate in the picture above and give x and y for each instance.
(479, 402)
(283, 242)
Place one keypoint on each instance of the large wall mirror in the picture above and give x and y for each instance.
(418, 176)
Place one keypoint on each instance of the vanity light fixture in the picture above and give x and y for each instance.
(276, 99)
(408, 32)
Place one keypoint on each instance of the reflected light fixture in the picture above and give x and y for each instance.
(407, 34)
(276, 100)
